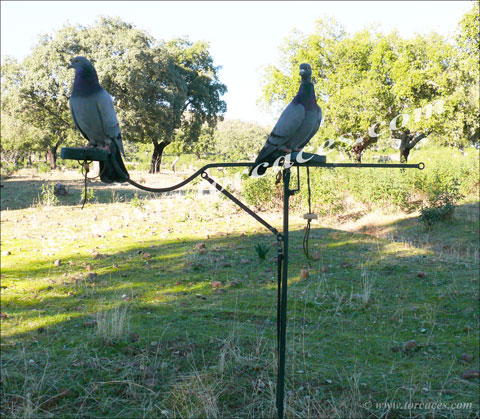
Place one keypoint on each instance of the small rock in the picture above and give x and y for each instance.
(90, 323)
(467, 357)
(202, 297)
(235, 283)
(124, 275)
(6, 253)
(414, 309)
(199, 246)
(216, 284)
(125, 297)
(316, 255)
(244, 261)
(60, 190)
(421, 274)
(325, 269)
(58, 262)
(346, 265)
(467, 375)
(304, 274)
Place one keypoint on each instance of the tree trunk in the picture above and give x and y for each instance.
(360, 146)
(52, 157)
(407, 142)
(157, 156)
(52, 154)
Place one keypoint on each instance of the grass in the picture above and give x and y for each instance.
(116, 310)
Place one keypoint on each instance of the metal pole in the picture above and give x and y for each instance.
(283, 304)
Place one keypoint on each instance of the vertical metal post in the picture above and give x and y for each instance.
(283, 303)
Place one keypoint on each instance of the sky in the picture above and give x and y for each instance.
(244, 37)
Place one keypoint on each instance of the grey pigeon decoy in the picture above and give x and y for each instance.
(94, 115)
(297, 124)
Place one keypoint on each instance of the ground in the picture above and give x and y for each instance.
(158, 306)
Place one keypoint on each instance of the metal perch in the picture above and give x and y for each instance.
(308, 160)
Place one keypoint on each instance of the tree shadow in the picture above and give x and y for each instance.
(179, 318)
(20, 194)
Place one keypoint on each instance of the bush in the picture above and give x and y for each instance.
(262, 192)
(47, 196)
(442, 193)
(448, 177)
(43, 168)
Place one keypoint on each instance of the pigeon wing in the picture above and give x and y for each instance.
(111, 128)
(288, 123)
(72, 112)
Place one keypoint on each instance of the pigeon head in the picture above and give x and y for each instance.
(86, 79)
(306, 72)
(81, 63)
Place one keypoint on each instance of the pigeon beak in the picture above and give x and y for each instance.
(302, 72)
(70, 66)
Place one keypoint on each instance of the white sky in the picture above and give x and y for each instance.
(244, 36)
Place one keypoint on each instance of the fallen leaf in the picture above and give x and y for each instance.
(304, 274)
(471, 374)
(216, 284)
(316, 255)
(466, 357)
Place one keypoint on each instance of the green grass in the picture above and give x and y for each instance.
(127, 322)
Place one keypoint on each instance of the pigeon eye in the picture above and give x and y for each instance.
(76, 61)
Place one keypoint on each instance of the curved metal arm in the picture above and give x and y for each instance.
(313, 163)
(178, 185)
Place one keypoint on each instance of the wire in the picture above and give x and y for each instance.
(309, 221)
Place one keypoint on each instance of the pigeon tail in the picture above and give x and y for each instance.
(108, 172)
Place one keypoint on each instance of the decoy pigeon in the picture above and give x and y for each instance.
(297, 124)
(94, 115)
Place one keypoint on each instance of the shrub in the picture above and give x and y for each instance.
(47, 196)
(43, 168)
(262, 192)
(442, 193)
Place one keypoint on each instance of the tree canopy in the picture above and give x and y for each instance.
(375, 86)
(158, 87)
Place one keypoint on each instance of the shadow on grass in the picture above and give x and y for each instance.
(19, 194)
(177, 318)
